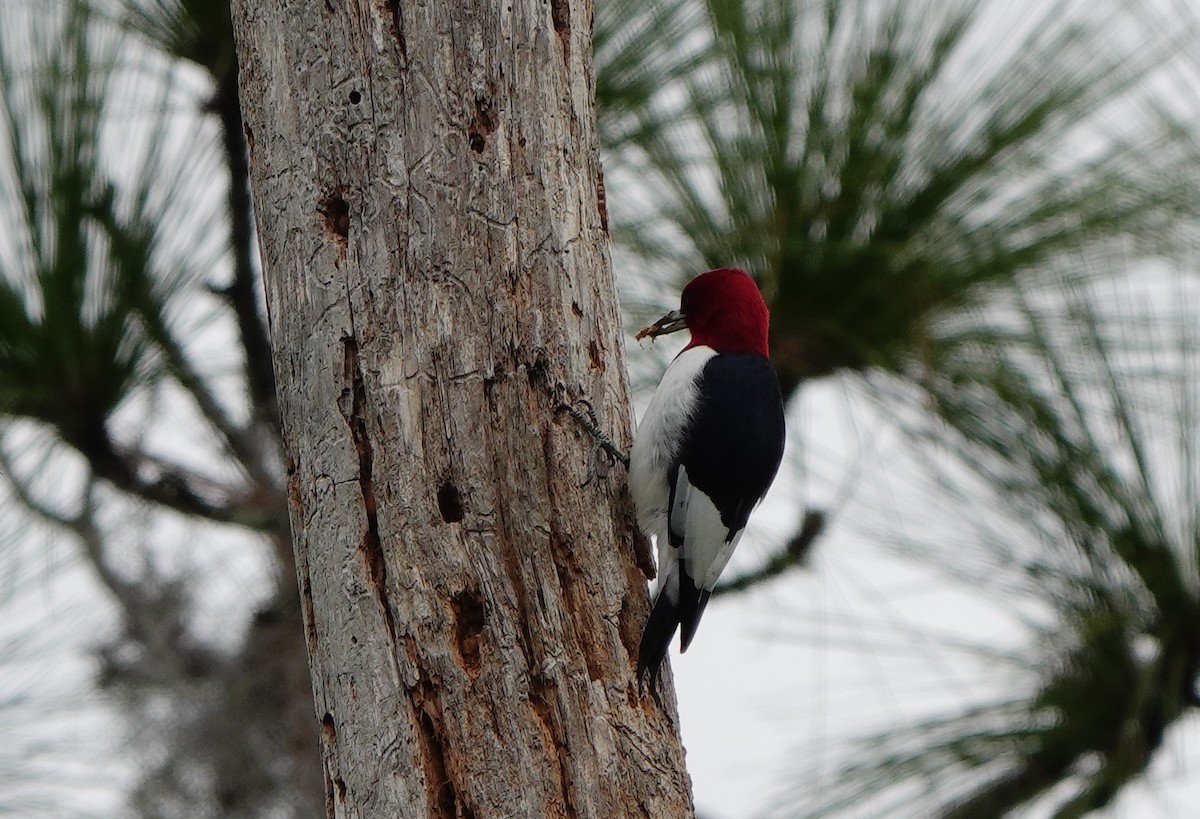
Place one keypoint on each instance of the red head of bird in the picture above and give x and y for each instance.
(724, 310)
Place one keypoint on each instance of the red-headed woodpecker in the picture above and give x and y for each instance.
(706, 449)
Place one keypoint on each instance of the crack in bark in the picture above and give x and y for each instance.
(370, 546)
(601, 203)
(293, 488)
(307, 611)
(333, 784)
(551, 725)
(560, 16)
(427, 714)
(392, 7)
(306, 603)
(571, 598)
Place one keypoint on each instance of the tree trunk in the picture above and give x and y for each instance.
(431, 215)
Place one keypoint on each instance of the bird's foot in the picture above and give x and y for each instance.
(587, 419)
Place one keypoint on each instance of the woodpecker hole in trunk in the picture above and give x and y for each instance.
(336, 212)
(450, 503)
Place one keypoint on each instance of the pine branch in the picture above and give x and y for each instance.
(82, 525)
(1003, 793)
(246, 444)
(27, 499)
(174, 487)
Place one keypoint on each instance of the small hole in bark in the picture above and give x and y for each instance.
(355, 98)
(484, 122)
(538, 371)
(596, 356)
(469, 620)
(450, 503)
(486, 115)
(560, 15)
(336, 212)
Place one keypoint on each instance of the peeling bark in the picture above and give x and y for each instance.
(431, 215)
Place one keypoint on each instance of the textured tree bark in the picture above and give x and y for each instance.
(431, 215)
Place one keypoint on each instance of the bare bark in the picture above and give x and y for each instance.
(426, 179)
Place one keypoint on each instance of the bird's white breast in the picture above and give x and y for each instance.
(659, 436)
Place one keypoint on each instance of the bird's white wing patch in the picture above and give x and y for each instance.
(677, 520)
(659, 436)
(697, 519)
(723, 553)
(705, 549)
(668, 572)
(694, 518)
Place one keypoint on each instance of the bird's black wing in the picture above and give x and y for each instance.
(735, 444)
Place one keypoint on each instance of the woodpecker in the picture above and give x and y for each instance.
(706, 450)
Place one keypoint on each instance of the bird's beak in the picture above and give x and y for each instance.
(667, 324)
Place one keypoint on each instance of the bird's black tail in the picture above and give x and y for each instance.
(656, 638)
(692, 606)
(665, 618)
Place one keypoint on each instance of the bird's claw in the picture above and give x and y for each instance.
(591, 423)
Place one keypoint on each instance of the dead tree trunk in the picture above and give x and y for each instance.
(432, 221)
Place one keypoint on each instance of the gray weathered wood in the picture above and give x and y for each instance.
(431, 216)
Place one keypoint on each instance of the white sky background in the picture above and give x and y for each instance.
(774, 682)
